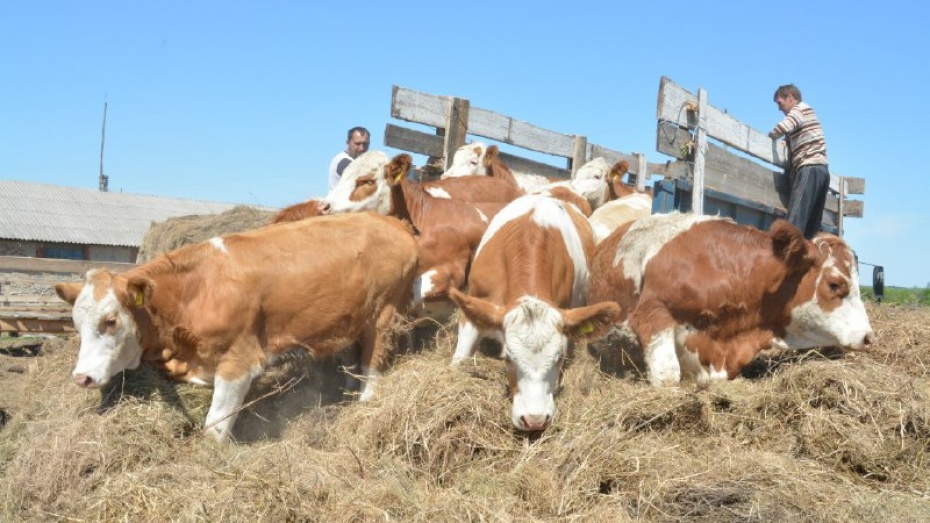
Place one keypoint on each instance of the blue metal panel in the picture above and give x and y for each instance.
(675, 195)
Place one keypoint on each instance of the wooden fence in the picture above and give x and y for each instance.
(717, 180)
(703, 177)
(28, 303)
(455, 118)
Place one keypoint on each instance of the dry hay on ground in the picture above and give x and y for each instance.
(812, 436)
(176, 232)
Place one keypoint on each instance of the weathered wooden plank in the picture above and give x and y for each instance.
(414, 106)
(674, 104)
(579, 154)
(854, 208)
(455, 127)
(36, 325)
(519, 164)
(430, 109)
(413, 141)
(505, 129)
(427, 144)
(855, 185)
(21, 263)
(39, 300)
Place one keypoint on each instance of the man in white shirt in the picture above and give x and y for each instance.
(357, 142)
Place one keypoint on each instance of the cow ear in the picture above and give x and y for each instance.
(618, 170)
(789, 246)
(482, 313)
(398, 168)
(591, 322)
(139, 291)
(69, 291)
(490, 154)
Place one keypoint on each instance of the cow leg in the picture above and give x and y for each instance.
(376, 344)
(468, 337)
(228, 395)
(656, 331)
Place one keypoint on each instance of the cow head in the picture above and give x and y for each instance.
(102, 313)
(591, 182)
(468, 160)
(366, 184)
(827, 309)
(536, 342)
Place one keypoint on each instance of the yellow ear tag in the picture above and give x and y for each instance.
(139, 299)
(587, 328)
(398, 177)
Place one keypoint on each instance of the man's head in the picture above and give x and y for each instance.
(786, 97)
(358, 140)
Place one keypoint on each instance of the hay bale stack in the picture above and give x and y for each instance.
(177, 232)
(814, 436)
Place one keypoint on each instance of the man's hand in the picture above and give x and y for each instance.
(773, 134)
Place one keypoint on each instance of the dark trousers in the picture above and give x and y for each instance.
(808, 196)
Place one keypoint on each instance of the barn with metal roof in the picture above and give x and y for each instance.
(52, 221)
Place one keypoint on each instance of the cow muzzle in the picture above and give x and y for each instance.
(85, 381)
(534, 422)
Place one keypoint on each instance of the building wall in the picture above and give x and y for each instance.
(112, 254)
(103, 253)
(18, 248)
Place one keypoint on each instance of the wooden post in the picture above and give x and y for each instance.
(697, 194)
(842, 202)
(579, 154)
(456, 129)
(641, 171)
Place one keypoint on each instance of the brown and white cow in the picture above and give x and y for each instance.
(527, 289)
(596, 181)
(609, 217)
(448, 216)
(705, 295)
(478, 159)
(218, 312)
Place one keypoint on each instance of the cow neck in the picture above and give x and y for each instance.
(407, 199)
(500, 171)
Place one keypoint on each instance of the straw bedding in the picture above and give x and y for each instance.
(803, 436)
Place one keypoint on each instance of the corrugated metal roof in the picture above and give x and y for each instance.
(53, 213)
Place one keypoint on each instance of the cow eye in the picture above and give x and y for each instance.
(838, 288)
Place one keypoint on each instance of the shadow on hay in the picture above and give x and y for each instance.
(619, 354)
(294, 386)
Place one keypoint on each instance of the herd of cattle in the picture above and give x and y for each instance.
(536, 264)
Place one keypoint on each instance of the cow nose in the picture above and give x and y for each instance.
(324, 208)
(534, 422)
(83, 380)
(868, 340)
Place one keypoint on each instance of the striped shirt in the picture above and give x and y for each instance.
(804, 135)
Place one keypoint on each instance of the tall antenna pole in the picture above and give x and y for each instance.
(104, 179)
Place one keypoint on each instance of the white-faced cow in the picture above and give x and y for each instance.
(705, 295)
(478, 159)
(527, 289)
(218, 312)
(448, 216)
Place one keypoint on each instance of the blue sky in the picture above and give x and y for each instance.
(248, 101)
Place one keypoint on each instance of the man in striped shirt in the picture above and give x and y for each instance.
(807, 150)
